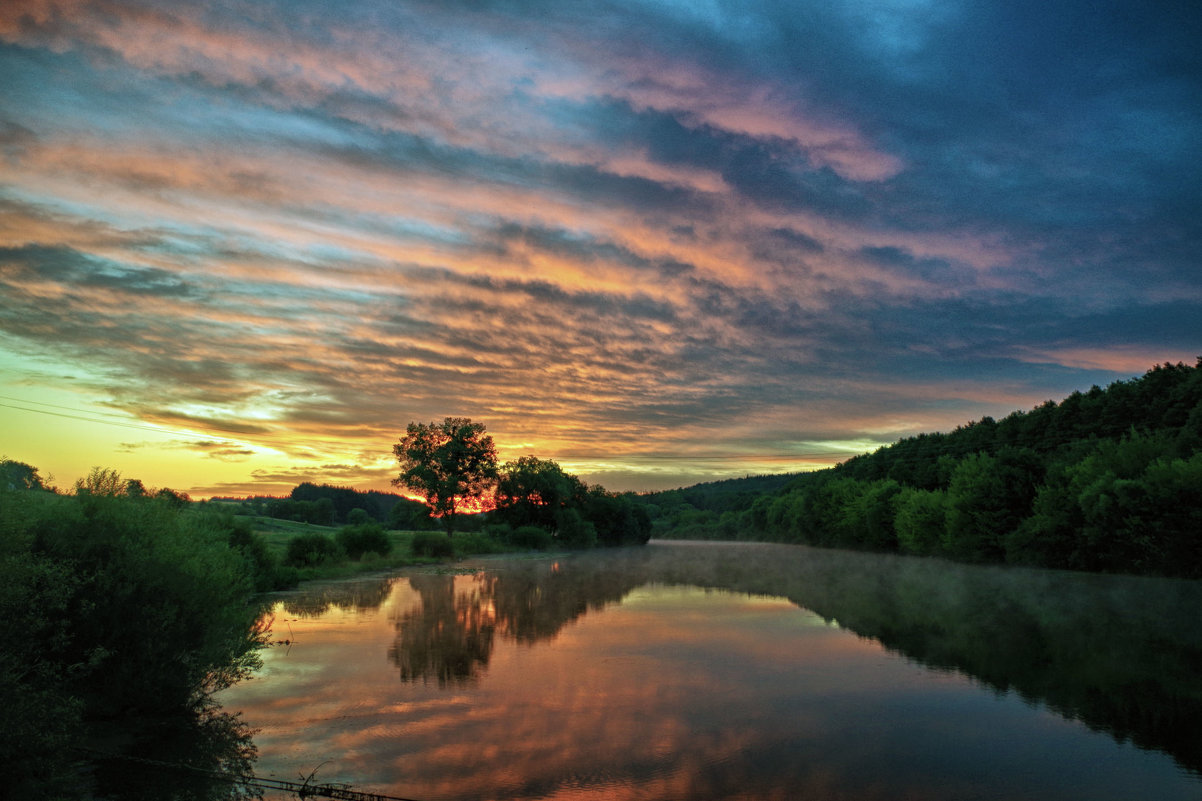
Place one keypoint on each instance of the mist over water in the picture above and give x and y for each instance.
(690, 671)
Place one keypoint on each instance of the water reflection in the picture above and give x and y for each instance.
(1122, 654)
(682, 689)
(356, 595)
(448, 637)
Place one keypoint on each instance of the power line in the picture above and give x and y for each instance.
(79, 415)
(115, 423)
(344, 792)
(52, 405)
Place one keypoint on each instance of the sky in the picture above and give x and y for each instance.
(244, 244)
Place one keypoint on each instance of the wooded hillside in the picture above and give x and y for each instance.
(1105, 480)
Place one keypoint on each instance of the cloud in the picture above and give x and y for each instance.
(612, 229)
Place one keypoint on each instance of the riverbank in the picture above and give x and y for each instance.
(409, 548)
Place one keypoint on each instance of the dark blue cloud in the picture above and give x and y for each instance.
(803, 210)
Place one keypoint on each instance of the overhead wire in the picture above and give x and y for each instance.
(80, 415)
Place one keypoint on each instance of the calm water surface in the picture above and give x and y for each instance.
(685, 671)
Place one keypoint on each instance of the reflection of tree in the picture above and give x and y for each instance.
(450, 636)
(1121, 654)
(352, 595)
(534, 603)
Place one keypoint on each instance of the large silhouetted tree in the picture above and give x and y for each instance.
(447, 463)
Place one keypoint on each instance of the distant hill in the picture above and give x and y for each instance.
(1107, 479)
(326, 504)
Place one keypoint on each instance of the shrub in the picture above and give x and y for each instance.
(268, 574)
(112, 607)
(477, 542)
(574, 531)
(358, 517)
(308, 550)
(432, 543)
(140, 567)
(532, 537)
(501, 532)
(363, 538)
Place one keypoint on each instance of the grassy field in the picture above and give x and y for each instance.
(278, 533)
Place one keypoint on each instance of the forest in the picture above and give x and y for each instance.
(1108, 480)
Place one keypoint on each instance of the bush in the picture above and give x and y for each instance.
(364, 538)
(112, 607)
(574, 531)
(532, 537)
(478, 542)
(432, 543)
(265, 569)
(308, 550)
(501, 532)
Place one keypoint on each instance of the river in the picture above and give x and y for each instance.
(691, 671)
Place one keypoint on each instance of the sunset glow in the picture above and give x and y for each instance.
(243, 243)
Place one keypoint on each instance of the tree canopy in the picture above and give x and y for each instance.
(451, 464)
(534, 492)
(16, 475)
(1105, 480)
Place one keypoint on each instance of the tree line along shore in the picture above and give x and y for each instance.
(1107, 480)
(122, 604)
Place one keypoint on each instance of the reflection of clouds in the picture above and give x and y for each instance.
(564, 715)
(448, 638)
(684, 693)
(559, 720)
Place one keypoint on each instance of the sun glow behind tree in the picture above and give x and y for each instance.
(452, 464)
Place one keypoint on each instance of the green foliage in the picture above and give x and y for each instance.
(410, 515)
(477, 542)
(434, 544)
(358, 540)
(112, 606)
(616, 518)
(19, 476)
(987, 499)
(318, 513)
(40, 717)
(501, 532)
(268, 574)
(573, 531)
(346, 501)
(1106, 480)
(534, 538)
(449, 463)
(920, 520)
(868, 517)
(101, 481)
(179, 500)
(310, 550)
(534, 492)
